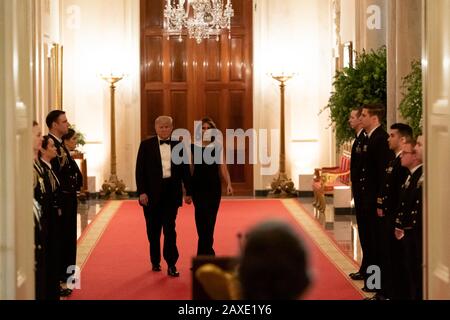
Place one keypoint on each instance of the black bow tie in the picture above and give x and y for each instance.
(164, 141)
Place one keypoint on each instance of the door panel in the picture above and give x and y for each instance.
(212, 60)
(153, 54)
(178, 61)
(237, 65)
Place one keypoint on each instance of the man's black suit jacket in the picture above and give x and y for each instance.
(149, 174)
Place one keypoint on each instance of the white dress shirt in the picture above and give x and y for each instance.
(166, 153)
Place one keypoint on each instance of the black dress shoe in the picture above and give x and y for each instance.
(156, 268)
(65, 292)
(365, 289)
(356, 276)
(379, 296)
(172, 272)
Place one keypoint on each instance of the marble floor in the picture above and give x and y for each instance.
(87, 211)
(341, 228)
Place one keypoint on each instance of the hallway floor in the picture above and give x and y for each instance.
(119, 228)
(341, 228)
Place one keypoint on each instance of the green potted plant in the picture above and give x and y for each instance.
(411, 105)
(364, 83)
(81, 139)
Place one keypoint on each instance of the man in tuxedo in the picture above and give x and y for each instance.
(70, 179)
(355, 174)
(159, 185)
(376, 156)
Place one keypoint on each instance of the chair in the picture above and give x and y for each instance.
(214, 278)
(327, 178)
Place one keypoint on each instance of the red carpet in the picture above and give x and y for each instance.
(118, 267)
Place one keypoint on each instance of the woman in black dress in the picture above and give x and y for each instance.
(207, 189)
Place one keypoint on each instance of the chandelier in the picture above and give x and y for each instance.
(208, 18)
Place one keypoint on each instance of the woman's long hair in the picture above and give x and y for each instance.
(210, 122)
(212, 125)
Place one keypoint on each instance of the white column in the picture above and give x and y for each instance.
(404, 43)
(371, 24)
(16, 99)
(437, 145)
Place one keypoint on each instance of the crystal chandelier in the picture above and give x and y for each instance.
(208, 18)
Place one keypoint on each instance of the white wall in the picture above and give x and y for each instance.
(102, 36)
(294, 36)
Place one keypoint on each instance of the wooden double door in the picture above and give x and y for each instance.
(188, 81)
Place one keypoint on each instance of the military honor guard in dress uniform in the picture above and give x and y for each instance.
(376, 156)
(70, 179)
(355, 175)
(387, 203)
(408, 225)
(53, 212)
(40, 220)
